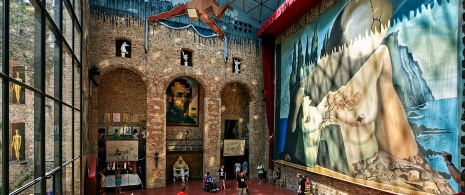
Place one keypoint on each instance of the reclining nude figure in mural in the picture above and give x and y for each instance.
(352, 90)
(203, 8)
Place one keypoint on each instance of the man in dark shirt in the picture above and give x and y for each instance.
(241, 184)
(301, 185)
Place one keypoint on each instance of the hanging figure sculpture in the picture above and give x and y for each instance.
(202, 9)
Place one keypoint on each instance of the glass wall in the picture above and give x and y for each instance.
(40, 75)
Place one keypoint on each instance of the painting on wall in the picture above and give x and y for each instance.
(126, 118)
(116, 117)
(135, 118)
(360, 101)
(106, 117)
(122, 150)
(182, 101)
(113, 129)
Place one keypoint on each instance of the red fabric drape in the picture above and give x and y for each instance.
(285, 16)
(268, 47)
(93, 167)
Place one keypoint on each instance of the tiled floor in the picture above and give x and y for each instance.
(194, 187)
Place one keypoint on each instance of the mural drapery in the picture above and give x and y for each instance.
(366, 91)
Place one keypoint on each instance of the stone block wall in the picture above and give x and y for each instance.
(161, 65)
(323, 184)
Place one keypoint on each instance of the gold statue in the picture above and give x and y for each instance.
(17, 88)
(16, 144)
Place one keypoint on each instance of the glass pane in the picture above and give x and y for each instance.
(1, 70)
(23, 145)
(67, 26)
(68, 179)
(51, 80)
(1, 122)
(23, 34)
(52, 136)
(53, 9)
(77, 134)
(77, 176)
(77, 86)
(67, 134)
(77, 9)
(77, 43)
(49, 184)
(67, 76)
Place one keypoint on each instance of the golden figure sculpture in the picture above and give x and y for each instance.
(17, 88)
(202, 9)
(16, 144)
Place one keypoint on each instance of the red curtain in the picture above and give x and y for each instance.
(268, 47)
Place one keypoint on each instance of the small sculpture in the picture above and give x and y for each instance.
(16, 144)
(17, 89)
(236, 65)
(180, 170)
(185, 57)
(123, 49)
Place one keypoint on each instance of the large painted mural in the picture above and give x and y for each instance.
(367, 92)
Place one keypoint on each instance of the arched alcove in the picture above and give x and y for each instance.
(121, 104)
(235, 105)
(184, 104)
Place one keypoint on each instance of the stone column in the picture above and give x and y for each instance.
(156, 140)
(212, 124)
(258, 142)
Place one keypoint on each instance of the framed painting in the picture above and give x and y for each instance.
(127, 130)
(126, 118)
(135, 118)
(122, 150)
(182, 102)
(116, 117)
(112, 130)
(106, 117)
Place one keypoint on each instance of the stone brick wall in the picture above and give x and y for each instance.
(160, 66)
(323, 184)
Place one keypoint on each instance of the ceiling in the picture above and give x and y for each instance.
(257, 10)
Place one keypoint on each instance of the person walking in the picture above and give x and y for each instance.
(260, 169)
(103, 183)
(222, 177)
(118, 181)
(238, 169)
(300, 185)
(242, 187)
(183, 188)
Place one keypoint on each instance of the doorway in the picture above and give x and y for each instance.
(230, 129)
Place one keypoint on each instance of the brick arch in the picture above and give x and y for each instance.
(246, 86)
(203, 86)
(107, 69)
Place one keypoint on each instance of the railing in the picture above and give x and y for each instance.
(184, 145)
(191, 144)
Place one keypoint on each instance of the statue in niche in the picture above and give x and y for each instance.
(123, 49)
(17, 88)
(16, 144)
(202, 9)
(185, 56)
(236, 65)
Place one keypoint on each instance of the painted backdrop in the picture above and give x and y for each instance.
(367, 92)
